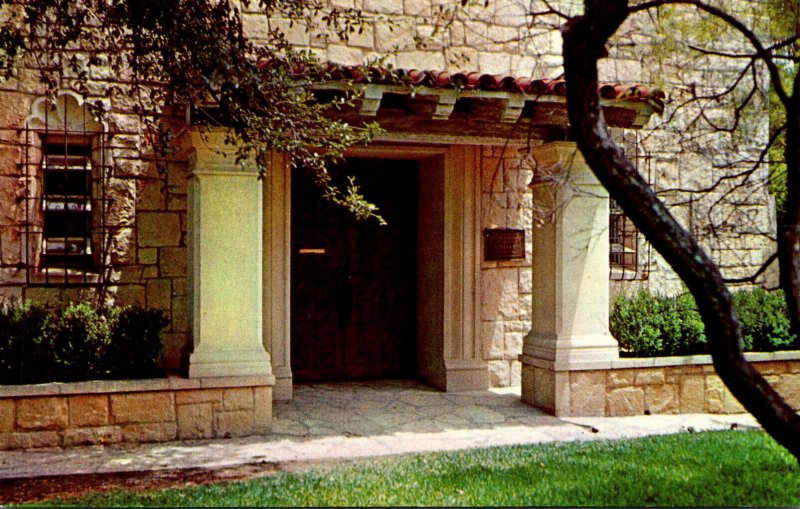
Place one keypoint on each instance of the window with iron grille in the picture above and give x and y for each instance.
(67, 203)
(64, 229)
(626, 247)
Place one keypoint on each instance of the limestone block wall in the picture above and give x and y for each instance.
(159, 410)
(428, 34)
(506, 202)
(146, 247)
(668, 386)
(710, 178)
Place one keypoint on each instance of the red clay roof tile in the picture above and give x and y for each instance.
(463, 80)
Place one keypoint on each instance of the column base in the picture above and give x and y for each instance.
(546, 389)
(282, 390)
(466, 375)
(567, 376)
(204, 364)
(591, 351)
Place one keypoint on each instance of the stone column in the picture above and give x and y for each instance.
(465, 369)
(225, 262)
(570, 285)
(277, 260)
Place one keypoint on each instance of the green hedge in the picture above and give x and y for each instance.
(79, 342)
(648, 325)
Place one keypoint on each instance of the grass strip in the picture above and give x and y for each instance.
(729, 468)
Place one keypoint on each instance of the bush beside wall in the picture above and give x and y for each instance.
(79, 342)
(647, 325)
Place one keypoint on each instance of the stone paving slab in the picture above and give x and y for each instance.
(358, 420)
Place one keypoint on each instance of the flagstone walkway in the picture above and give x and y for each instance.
(363, 419)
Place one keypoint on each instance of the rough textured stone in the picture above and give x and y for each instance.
(148, 256)
(731, 404)
(516, 367)
(195, 421)
(131, 295)
(771, 368)
(650, 376)
(44, 295)
(159, 293)
(500, 294)
(150, 432)
(240, 398)
(527, 384)
(236, 423)
(692, 394)
(199, 396)
(625, 401)
(513, 344)
(33, 439)
(621, 377)
(715, 392)
(88, 411)
(92, 436)
(262, 409)
(587, 393)
(661, 399)
(492, 333)
(180, 315)
(172, 261)
(790, 389)
(499, 373)
(151, 195)
(179, 286)
(142, 407)
(42, 413)
(6, 415)
(157, 229)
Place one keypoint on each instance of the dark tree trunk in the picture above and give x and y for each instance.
(584, 44)
(789, 228)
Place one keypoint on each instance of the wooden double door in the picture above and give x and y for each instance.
(353, 282)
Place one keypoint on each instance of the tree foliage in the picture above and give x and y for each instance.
(172, 54)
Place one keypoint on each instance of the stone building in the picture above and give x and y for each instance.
(495, 269)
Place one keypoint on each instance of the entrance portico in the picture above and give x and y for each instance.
(569, 257)
(448, 340)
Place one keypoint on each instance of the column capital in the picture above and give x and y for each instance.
(211, 154)
(558, 163)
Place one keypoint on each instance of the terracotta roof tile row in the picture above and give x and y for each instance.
(463, 81)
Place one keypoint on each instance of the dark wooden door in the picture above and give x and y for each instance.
(354, 282)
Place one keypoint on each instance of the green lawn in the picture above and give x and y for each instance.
(731, 468)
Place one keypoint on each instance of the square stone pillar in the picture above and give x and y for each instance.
(225, 262)
(570, 283)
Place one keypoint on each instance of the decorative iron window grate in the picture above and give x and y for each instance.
(629, 251)
(627, 247)
(65, 228)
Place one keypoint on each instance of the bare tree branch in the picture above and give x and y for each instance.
(584, 44)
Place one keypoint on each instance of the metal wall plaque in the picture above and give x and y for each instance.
(503, 244)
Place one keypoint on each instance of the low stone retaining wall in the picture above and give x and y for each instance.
(153, 410)
(659, 385)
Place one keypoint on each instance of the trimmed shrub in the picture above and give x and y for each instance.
(692, 337)
(21, 331)
(765, 321)
(78, 342)
(136, 342)
(648, 325)
(642, 323)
